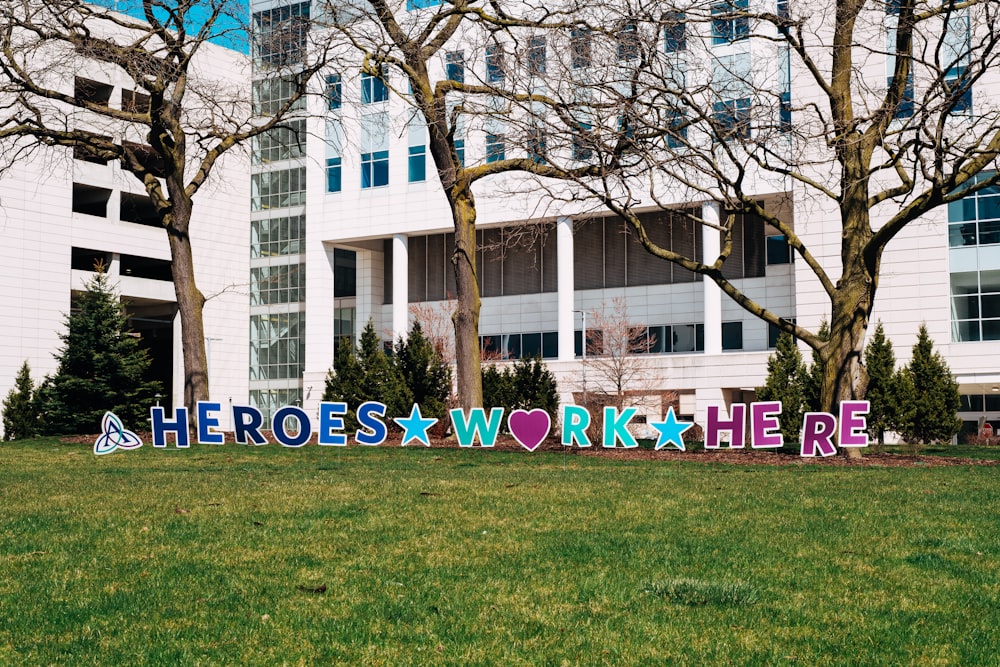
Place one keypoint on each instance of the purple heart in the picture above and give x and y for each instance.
(529, 428)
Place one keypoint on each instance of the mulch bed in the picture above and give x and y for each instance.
(727, 456)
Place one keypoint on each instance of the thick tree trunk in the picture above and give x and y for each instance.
(190, 304)
(844, 376)
(466, 315)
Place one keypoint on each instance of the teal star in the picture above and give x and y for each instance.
(670, 431)
(415, 427)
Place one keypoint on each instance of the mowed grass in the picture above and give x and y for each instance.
(388, 556)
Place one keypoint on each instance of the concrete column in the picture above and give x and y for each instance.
(400, 286)
(565, 287)
(711, 244)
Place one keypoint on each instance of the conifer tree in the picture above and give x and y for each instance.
(786, 380)
(880, 362)
(380, 377)
(424, 372)
(101, 367)
(927, 395)
(534, 386)
(813, 381)
(20, 413)
(343, 382)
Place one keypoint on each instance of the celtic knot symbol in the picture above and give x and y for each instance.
(115, 436)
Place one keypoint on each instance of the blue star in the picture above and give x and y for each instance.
(416, 427)
(670, 431)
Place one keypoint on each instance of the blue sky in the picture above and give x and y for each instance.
(230, 31)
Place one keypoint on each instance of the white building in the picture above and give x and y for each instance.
(378, 242)
(60, 212)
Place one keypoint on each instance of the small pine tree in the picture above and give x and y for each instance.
(498, 388)
(880, 362)
(343, 381)
(424, 372)
(366, 374)
(20, 412)
(927, 395)
(101, 367)
(786, 380)
(813, 381)
(534, 386)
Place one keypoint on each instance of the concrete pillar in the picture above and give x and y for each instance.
(711, 244)
(400, 286)
(565, 287)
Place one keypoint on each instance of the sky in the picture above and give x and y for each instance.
(230, 30)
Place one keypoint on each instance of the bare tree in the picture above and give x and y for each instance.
(860, 110)
(450, 98)
(616, 345)
(176, 125)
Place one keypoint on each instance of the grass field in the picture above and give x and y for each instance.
(389, 556)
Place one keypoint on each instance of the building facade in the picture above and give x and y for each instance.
(63, 212)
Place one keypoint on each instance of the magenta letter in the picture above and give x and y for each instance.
(734, 426)
(853, 425)
(764, 428)
(818, 429)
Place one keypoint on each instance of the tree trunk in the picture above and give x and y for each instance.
(844, 376)
(466, 315)
(190, 304)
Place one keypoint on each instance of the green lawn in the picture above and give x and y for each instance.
(219, 555)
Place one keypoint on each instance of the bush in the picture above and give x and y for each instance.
(20, 412)
(526, 385)
(101, 367)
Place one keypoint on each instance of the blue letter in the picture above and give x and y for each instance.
(329, 422)
(468, 431)
(243, 428)
(575, 420)
(374, 432)
(206, 436)
(618, 423)
(278, 426)
(161, 427)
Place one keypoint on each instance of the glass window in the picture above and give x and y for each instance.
(580, 48)
(455, 66)
(374, 169)
(333, 174)
(536, 55)
(284, 142)
(628, 41)
(278, 189)
(674, 32)
(277, 345)
(494, 148)
(536, 145)
(277, 236)
(460, 151)
(494, 64)
(905, 107)
(732, 335)
(421, 4)
(270, 95)
(279, 34)
(550, 344)
(678, 130)
(582, 150)
(778, 250)
(730, 21)
(277, 284)
(417, 164)
(732, 118)
(334, 92)
(373, 88)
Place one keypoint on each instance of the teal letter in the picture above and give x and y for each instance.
(575, 421)
(618, 423)
(476, 427)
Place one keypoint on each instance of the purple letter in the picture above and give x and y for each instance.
(853, 425)
(735, 426)
(764, 429)
(818, 429)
